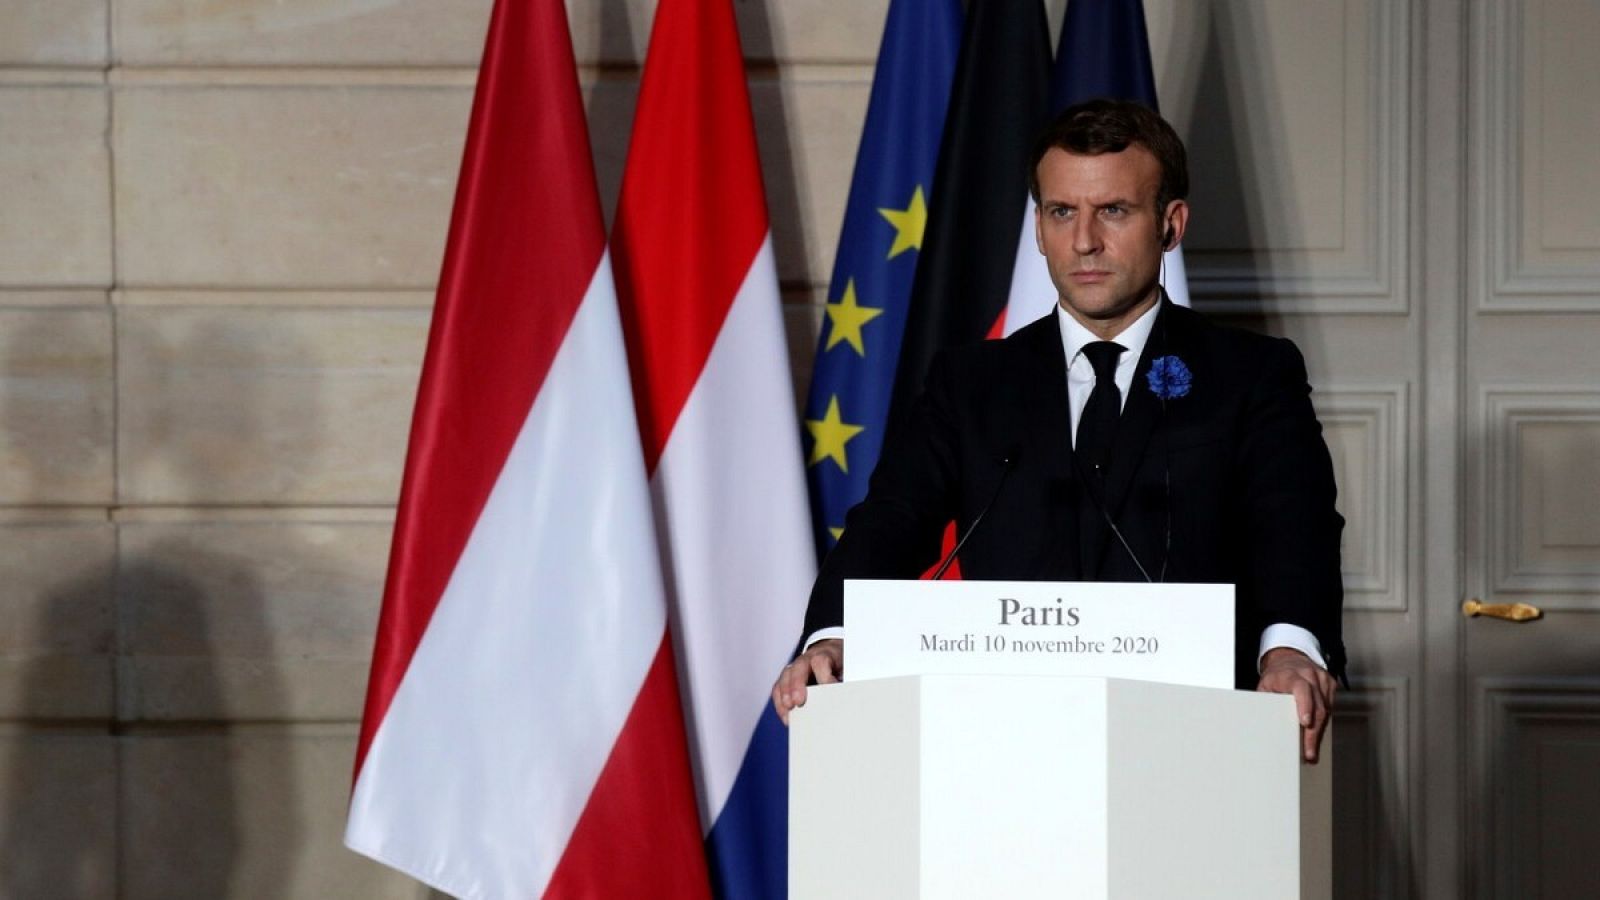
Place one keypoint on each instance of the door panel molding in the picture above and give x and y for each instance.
(1343, 250)
(1542, 526)
(1529, 728)
(1368, 430)
(1372, 807)
(1533, 258)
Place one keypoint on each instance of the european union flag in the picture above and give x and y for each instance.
(853, 378)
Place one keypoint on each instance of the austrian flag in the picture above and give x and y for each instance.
(523, 734)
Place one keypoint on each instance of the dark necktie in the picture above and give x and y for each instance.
(1098, 424)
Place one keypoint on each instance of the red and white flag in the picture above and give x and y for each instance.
(704, 325)
(523, 734)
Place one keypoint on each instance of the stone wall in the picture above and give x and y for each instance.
(221, 226)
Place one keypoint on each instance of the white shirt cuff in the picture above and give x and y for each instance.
(1292, 636)
(828, 634)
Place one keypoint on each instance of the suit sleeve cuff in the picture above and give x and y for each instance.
(1280, 635)
(828, 634)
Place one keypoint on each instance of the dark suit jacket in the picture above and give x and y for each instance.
(1231, 483)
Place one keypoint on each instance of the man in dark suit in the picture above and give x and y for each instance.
(1122, 438)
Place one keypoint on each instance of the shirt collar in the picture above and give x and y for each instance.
(1133, 338)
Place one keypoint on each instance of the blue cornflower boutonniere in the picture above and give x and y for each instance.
(1169, 378)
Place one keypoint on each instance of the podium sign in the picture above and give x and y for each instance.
(1173, 633)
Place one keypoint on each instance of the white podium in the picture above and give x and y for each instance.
(973, 786)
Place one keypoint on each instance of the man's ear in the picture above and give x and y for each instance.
(1175, 222)
(1038, 228)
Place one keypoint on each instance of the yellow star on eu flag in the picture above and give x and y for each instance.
(829, 435)
(908, 223)
(845, 319)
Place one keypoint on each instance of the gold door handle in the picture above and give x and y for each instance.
(1511, 612)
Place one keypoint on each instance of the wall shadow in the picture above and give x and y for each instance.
(58, 758)
(180, 813)
(201, 798)
(58, 828)
(1232, 146)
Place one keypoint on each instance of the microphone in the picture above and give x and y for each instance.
(1008, 462)
(1122, 540)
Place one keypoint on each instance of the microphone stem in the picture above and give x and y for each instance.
(1004, 473)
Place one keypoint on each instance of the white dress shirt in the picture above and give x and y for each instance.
(1080, 382)
(1080, 374)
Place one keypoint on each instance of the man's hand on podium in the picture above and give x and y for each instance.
(820, 663)
(1288, 671)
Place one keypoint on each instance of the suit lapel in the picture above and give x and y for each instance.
(1140, 413)
(1053, 434)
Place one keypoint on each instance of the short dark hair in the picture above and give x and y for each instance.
(1111, 126)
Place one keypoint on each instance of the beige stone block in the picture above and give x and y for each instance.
(248, 620)
(55, 406)
(178, 688)
(254, 812)
(809, 131)
(58, 815)
(290, 186)
(54, 175)
(787, 31)
(53, 33)
(301, 32)
(56, 686)
(801, 31)
(280, 406)
(56, 620)
(280, 299)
